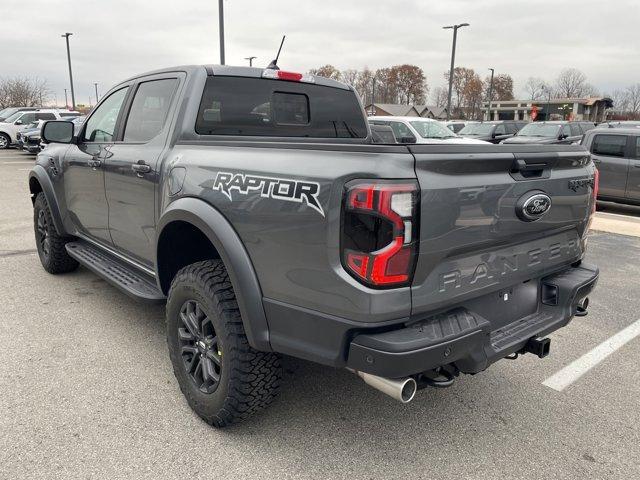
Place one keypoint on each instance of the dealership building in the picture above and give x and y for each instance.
(593, 109)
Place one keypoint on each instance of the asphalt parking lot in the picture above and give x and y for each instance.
(87, 389)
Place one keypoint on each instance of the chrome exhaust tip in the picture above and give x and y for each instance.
(402, 389)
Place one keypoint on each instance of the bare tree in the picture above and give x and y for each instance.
(439, 97)
(23, 92)
(536, 88)
(328, 71)
(364, 85)
(619, 99)
(632, 96)
(386, 90)
(572, 83)
(349, 76)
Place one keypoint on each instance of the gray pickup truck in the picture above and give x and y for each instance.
(256, 205)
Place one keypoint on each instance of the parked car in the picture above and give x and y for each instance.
(420, 130)
(256, 206)
(493, 131)
(20, 120)
(21, 136)
(561, 132)
(456, 125)
(382, 134)
(7, 112)
(616, 153)
(619, 124)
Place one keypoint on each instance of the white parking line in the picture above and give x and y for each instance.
(17, 163)
(572, 372)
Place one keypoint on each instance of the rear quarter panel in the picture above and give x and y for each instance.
(294, 248)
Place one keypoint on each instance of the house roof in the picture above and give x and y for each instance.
(437, 111)
(394, 109)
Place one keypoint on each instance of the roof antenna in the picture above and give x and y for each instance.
(274, 63)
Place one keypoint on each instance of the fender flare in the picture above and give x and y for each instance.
(235, 257)
(40, 174)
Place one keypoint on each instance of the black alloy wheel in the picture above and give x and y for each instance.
(42, 228)
(199, 347)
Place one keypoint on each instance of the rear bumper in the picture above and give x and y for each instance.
(464, 338)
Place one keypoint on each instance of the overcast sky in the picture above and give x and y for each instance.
(114, 39)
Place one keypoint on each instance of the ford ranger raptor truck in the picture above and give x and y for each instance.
(256, 205)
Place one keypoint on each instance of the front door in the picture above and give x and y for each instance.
(132, 168)
(609, 155)
(83, 169)
(633, 184)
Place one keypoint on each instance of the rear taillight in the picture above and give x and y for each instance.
(379, 231)
(596, 186)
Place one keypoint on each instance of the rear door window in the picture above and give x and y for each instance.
(609, 145)
(511, 128)
(637, 149)
(264, 107)
(500, 129)
(149, 109)
(28, 118)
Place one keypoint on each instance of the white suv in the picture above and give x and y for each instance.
(19, 121)
(421, 130)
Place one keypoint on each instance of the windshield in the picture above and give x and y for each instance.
(14, 117)
(477, 129)
(5, 112)
(539, 130)
(432, 129)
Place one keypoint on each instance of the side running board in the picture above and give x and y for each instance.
(123, 276)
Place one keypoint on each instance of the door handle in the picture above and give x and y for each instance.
(140, 168)
(94, 163)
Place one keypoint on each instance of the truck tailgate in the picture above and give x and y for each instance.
(473, 239)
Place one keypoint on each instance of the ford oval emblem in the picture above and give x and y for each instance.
(533, 205)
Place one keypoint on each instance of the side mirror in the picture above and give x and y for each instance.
(562, 136)
(57, 131)
(18, 122)
(494, 135)
(408, 140)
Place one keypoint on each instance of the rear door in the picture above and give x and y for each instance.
(609, 154)
(132, 166)
(633, 183)
(473, 239)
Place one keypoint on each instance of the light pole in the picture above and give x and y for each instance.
(251, 59)
(453, 60)
(221, 28)
(373, 96)
(490, 95)
(66, 102)
(547, 113)
(73, 97)
(95, 84)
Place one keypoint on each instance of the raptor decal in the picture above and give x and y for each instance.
(286, 189)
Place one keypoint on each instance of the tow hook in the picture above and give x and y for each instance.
(581, 308)
(538, 346)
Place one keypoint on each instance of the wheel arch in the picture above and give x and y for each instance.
(39, 181)
(195, 217)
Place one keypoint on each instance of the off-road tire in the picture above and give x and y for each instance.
(52, 252)
(248, 379)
